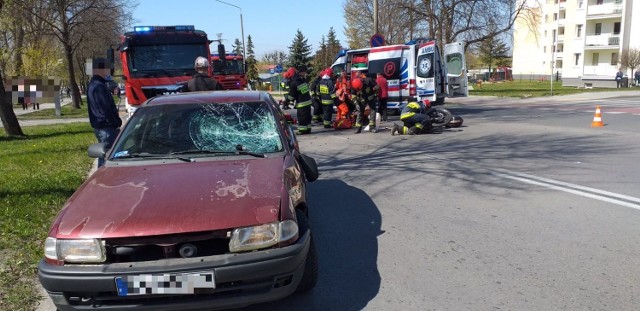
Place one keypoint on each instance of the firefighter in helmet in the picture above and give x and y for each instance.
(414, 118)
(315, 98)
(201, 81)
(299, 95)
(364, 93)
(326, 88)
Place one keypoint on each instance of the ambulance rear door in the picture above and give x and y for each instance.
(456, 69)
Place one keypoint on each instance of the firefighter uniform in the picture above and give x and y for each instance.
(364, 92)
(315, 99)
(300, 96)
(415, 120)
(326, 88)
(284, 87)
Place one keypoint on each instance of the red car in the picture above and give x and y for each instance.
(201, 205)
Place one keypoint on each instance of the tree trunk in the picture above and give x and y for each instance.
(19, 43)
(75, 91)
(9, 120)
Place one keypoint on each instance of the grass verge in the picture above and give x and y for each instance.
(37, 175)
(525, 89)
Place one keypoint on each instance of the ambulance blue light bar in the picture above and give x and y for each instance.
(164, 28)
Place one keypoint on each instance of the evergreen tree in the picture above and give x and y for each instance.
(326, 53)
(300, 52)
(333, 44)
(237, 47)
(320, 59)
(491, 51)
(252, 62)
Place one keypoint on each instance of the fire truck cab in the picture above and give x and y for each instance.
(415, 71)
(158, 60)
(229, 72)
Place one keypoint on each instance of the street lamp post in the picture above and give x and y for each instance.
(244, 49)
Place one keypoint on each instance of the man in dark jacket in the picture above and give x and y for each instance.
(103, 113)
(201, 80)
(415, 120)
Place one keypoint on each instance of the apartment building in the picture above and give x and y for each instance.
(577, 40)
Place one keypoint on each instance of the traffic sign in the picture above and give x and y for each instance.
(278, 68)
(376, 40)
(271, 71)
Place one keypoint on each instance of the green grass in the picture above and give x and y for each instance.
(67, 112)
(525, 89)
(37, 175)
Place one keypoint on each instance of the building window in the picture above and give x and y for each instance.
(545, 33)
(616, 28)
(599, 2)
(555, 16)
(578, 31)
(544, 49)
(614, 59)
(579, 4)
(576, 59)
(595, 59)
(554, 36)
(598, 29)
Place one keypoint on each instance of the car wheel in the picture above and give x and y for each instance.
(310, 275)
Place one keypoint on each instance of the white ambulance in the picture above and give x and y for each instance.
(414, 71)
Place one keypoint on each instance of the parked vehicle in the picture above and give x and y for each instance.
(201, 204)
(158, 60)
(415, 71)
(229, 70)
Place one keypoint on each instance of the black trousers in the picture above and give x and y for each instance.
(382, 108)
(327, 113)
(317, 109)
(304, 119)
(418, 124)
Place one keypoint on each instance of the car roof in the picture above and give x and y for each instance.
(209, 97)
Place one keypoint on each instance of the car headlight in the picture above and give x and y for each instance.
(262, 236)
(75, 251)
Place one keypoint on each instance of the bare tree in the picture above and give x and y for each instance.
(630, 58)
(74, 21)
(397, 22)
(472, 21)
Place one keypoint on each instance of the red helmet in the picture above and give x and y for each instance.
(289, 73)
(356, 84)
(328, 72)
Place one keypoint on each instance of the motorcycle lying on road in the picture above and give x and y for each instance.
(441, 117)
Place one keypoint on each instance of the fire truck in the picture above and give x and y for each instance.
(415, 71)
(158, 60)
(229, 71)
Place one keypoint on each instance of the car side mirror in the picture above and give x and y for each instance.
(98, 150)
(310, 167)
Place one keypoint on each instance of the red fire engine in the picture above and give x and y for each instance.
(158, 60)
(229, 73)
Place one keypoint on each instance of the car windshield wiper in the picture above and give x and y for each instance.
(150, 156)
(240, 150)
(208, 151)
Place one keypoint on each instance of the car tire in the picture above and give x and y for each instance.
(310, 275)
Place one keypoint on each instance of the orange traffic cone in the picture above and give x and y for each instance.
(597, 118)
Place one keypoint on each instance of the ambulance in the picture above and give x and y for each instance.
(415, 71)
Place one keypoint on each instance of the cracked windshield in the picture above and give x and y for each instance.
(228, 127)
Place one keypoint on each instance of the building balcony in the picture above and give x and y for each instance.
(600, 70)
(560, 38)
(602, 41)
(559, 55)
(605, 10)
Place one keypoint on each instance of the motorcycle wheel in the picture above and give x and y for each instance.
(440, 117)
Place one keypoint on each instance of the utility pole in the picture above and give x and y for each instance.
(375, 17)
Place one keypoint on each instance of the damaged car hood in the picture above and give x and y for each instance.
(173, 198)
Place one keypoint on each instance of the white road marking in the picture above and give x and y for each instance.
(605, 196)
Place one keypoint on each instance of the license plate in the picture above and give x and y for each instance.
(153, 284)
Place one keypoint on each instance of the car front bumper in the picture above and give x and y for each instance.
(241, 279)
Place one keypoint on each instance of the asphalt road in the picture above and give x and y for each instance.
(525, 207)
